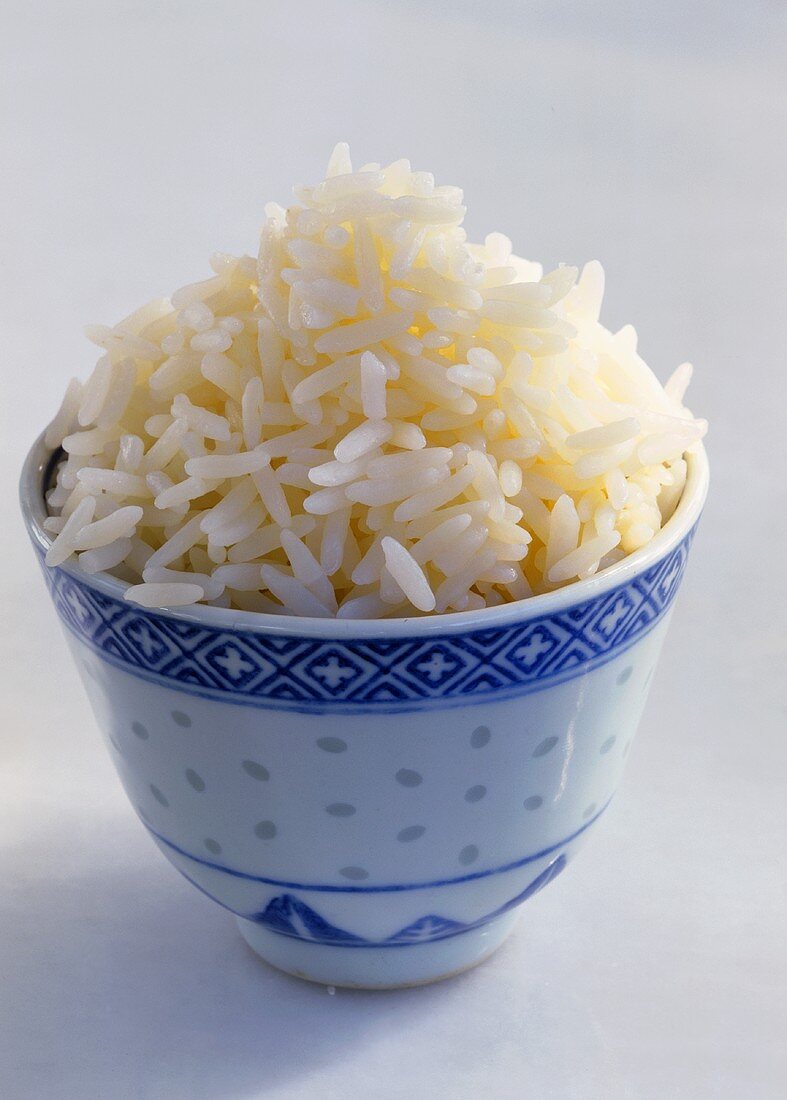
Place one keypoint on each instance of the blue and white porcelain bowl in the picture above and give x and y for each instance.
(373, 800)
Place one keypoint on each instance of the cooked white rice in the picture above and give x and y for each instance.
(373, 418)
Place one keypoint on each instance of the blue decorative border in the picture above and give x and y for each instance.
(315, 675)
(287, 915)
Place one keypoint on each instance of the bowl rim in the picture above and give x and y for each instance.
(39, 461)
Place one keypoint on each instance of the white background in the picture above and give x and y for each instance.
(137, 138)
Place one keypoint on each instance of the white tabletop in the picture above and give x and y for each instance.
(139, 138)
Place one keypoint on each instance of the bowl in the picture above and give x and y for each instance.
(375, 800)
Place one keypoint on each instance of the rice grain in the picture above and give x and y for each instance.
(373, 417)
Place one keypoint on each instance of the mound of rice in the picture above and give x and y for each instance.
(373, 418)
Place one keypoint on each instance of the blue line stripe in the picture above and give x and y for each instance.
(374, 944)
(389, 888)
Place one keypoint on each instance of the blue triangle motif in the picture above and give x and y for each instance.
(289, 916)
(385, 692)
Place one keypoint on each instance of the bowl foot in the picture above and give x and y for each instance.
(391, 967)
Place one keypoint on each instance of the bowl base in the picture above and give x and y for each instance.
(394, 967)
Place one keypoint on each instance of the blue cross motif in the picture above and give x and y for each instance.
(534, 648)
(333, 672)
(234, 663)
(436, 666)
(76, 604)
(614, 616)
(669, 575)
(140, 633)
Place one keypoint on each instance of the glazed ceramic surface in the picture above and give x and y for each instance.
(374, 801)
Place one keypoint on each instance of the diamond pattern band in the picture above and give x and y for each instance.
(316, 675)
